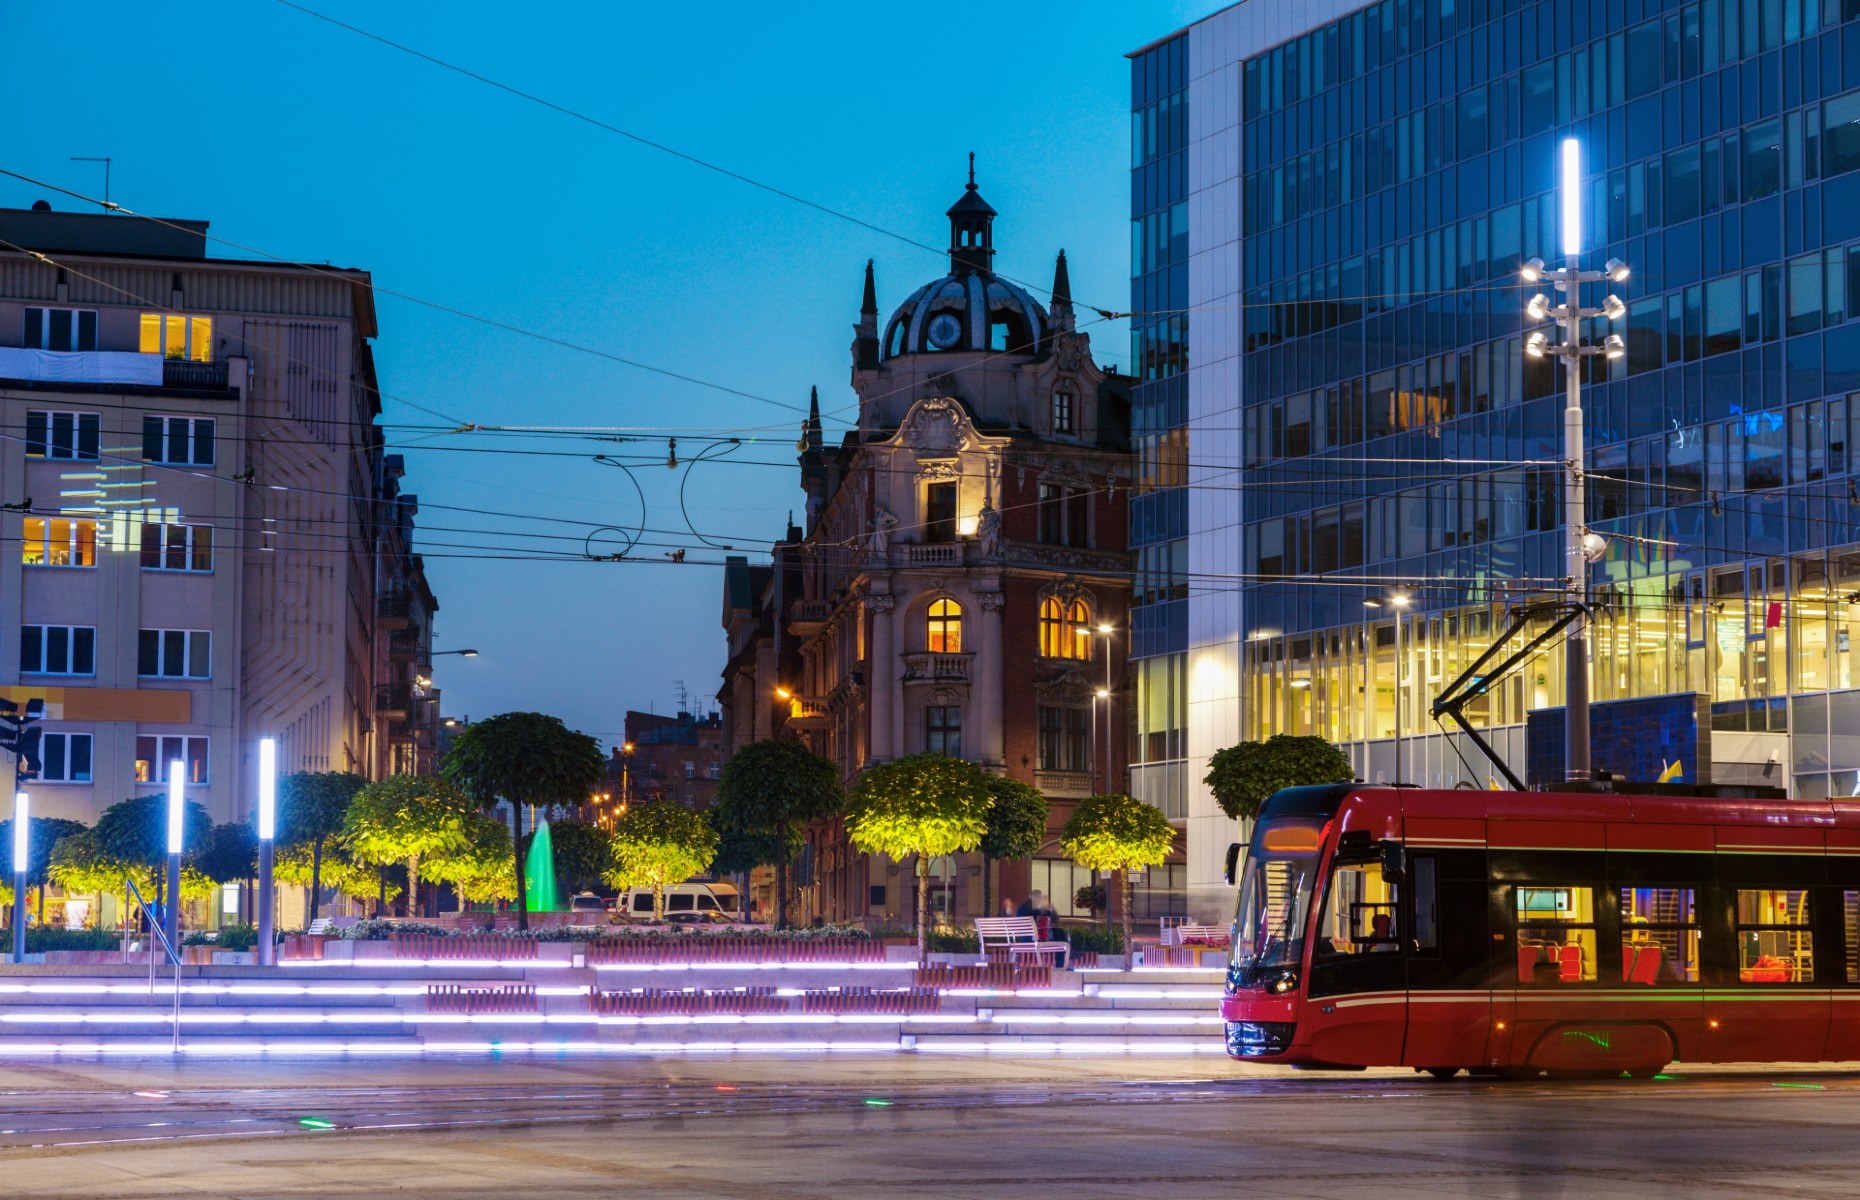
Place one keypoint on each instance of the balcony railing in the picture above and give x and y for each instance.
(393, 698)
(933, 553)
(179, 372)
(1065, 784)
(396, 606)
(810, 612)
(404, 643)
(941, 668)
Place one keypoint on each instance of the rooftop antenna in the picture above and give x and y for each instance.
(684, 695)
(106, 178)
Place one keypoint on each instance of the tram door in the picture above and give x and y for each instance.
(1358, 961)
(1449, 1005)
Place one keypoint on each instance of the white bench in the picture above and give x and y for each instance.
(1215, 937)
(1019, 936)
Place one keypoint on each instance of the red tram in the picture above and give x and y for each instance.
(1570, 933)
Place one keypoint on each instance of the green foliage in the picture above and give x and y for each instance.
(1117, 833)
(768, 793)
(44, 833)
(231, 853)
(1091, 898)
(405, 817)
(226, 937)
(40, 938)
(478, 868)
(136, 830)
(923, 804)
(1242, 777)
(80, 867)
(1016, 821)
(311, 804)
(525, 758)
(944, 940)
(583, 854)
(1095, 938)
(657, 843)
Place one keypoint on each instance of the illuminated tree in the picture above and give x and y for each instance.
(769, 792)
(1242, 777)
(1117, 833)
(311, 805)
(477, 868)
(1016, 828)
(928, 805)
(660, 842)
(403, 819)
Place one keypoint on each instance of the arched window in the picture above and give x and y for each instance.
(1065, 629)
(943, 628)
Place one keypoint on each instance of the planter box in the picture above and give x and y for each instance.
(235, 958)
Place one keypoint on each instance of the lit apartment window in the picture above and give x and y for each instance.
(64, 758)
(153, 754)
(57, 650)
(1065, 629)
(174, 654)
(60, 329)
(62, 434)
(943, 628)
(177, 547)
(187, 441)
(173, 336)
(1063, 406)
(59, 543)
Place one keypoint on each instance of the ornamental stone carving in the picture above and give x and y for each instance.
(991, 601)
(938, 471)
(881, 603)
(935, 425)
(1068, 590)
(1068, 687)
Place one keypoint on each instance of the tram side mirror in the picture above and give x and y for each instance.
(1233, 862)
(1394, 863)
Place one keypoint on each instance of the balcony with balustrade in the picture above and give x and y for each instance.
(925, 666)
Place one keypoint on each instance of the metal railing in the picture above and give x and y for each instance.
(130, 890)
(179, 372)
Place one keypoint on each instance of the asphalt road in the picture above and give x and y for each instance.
(908, 1127)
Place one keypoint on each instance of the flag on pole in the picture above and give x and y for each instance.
(1669, 773)
(1491, 784)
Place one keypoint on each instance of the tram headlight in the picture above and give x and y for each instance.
(1283, 982)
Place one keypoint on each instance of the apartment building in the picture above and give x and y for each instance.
(202, 542)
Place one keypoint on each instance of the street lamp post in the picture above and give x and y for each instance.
(177, 814)
(1106, 631)
(462, 653)
(1580, 546)
(1103, 694)
(22, 859)
(267, 846)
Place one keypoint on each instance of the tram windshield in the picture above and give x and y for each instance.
(1275, 897)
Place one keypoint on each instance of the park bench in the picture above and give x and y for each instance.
(1020, 938)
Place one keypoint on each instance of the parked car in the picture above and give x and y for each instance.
(717, 899)
(589, 902)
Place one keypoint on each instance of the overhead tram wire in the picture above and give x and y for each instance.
(437, 306)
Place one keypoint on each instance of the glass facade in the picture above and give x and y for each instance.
(1397, 166)
(1159, 419)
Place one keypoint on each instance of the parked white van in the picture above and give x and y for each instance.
(701, 901)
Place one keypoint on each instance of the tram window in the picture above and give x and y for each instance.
(1422, 869)
(1850, 921)
(1774, 943)
(1659, 936)
(1556, 934)
(1360, 914)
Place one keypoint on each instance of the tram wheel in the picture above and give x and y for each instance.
(1441, 1073)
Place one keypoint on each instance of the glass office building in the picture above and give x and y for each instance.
(1363, 181)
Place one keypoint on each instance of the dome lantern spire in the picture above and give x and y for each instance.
(971, 230)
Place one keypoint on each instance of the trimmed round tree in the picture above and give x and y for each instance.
(136, 831)
(527, 759)
(657, 843)
(1242, 777)
(928, 805)
(311, 805)
(1016, 827)
(478, 867)
(1118, 833)
(404, 818)
(771, 790)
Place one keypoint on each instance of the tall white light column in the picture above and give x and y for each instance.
(267, 846)
(177, 824)
(22, 860)
(1580, 547)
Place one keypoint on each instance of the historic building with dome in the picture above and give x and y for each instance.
(961, 579)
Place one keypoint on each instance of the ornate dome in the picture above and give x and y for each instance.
(967, 310)
(970, 308)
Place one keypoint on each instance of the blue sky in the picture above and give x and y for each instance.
(304, 140)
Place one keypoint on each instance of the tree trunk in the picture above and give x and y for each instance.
(413, 886)
(1123, 891)
(781, 891)
(988, 897)
(923, 910)
(516, 846)
(381, 897)
(658, 898)
(316, 878)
